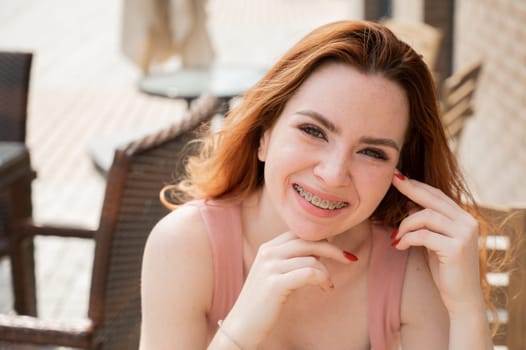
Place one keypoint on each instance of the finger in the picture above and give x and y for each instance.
(426, 238)
(282, 238)
(299, 247)
(427, 219)
(305, 276)
(412, 207)
(427, 196)
(284, 266)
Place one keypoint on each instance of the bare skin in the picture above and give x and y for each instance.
(301, 291)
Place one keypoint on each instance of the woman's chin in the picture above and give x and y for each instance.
(309, 233)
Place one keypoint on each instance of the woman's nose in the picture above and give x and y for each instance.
(334, 170)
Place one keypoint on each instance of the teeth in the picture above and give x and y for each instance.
(317, 201)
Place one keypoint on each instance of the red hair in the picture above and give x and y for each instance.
(228, 167)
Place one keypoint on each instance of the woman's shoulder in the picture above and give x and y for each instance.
(183, 224)
(180, 239)
(177, 277)
(187, 227)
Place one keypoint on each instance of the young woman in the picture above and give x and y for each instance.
(327, 214)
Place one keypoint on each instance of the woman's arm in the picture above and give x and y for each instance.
(450, 238)
(281, 266)
(472, 320)
(425, 322)
(177, 283)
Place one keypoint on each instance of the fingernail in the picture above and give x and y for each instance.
(395, 243)
(350, 256)
(400, 176)
(393, 235)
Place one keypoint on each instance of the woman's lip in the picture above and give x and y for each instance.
(321, 195)
(313, 210)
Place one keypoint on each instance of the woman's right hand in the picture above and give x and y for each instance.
(282, 265)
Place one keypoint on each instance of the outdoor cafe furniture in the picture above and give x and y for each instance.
(423, 38)
(16, 176)
(509, 295)
(222, 81)
(189, 84)
(130, 210)
(458, 101)
(15, 69)
(154, 32)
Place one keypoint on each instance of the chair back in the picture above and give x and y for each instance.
(458, 100)
(422, 37)
(509, 293)
(15, 70)
(131, 209)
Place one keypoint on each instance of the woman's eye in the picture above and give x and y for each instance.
(375, 153)
(313, 131)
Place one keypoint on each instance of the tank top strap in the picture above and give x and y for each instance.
(386, 279)
(223, 226)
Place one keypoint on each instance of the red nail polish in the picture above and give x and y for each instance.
(400, 176)
(393, 235)
(395, 243)
(350, 256)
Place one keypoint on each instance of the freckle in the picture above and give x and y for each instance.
(418, 269)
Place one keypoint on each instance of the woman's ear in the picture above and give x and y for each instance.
(263, 146)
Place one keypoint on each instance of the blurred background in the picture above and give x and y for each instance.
(84, 87)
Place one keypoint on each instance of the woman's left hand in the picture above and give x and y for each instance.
(450, 235)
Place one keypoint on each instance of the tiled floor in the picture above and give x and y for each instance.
(82, 87)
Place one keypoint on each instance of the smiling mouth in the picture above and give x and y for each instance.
(317, 201)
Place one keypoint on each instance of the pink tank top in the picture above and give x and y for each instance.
(385, 278)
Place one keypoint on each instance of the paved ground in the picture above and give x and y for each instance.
(82, 87)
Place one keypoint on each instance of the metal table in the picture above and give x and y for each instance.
(223, 81)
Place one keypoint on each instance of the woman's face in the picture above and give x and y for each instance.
(330, 157)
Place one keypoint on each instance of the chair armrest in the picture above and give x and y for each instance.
(27, 329)
(30, 228)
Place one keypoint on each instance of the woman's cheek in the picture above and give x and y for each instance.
(377, 182)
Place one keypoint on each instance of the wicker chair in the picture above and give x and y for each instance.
(131, 208)
(424, 38)
(458, 101)
(509, 295)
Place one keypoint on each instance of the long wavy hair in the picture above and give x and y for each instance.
(228, 168)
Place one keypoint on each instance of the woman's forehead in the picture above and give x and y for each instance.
(335, 89)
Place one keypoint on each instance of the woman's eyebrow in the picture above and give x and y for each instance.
(321, 119)
(380, 142)
(333, 128)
